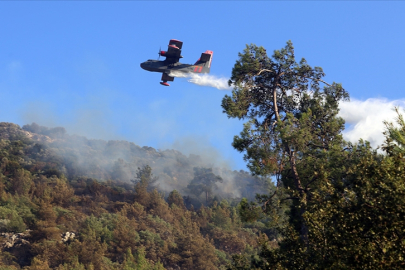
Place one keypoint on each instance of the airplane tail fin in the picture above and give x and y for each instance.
(203, 65)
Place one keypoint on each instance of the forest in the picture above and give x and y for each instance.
(55, 215)
(311, 200)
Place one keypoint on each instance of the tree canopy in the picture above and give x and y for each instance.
(292, 130)
(339, 197)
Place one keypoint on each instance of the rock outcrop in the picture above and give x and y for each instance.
(15, 240)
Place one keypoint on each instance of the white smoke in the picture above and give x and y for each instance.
(204, 80)
(365, 118)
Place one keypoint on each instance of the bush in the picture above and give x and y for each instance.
(10, 220)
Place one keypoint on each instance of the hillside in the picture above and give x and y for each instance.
(77, 156)
(68, 202)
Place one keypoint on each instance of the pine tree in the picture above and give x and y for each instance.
(204, 181)
(292, 131)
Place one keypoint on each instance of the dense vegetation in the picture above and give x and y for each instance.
(67, 202)
(345, 203)
(117, 224)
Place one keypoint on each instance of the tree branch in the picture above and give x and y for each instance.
(319, 80)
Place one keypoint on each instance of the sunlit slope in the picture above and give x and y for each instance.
(77, 156)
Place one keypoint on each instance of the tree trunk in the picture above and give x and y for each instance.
(303, 198)
(297, 180)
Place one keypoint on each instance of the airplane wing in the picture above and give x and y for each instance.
(173, 53)
(176, 42)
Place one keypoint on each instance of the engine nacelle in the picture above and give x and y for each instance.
(165, 54)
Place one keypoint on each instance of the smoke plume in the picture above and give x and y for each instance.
(204, 80)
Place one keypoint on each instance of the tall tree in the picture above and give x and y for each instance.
(144, 178)
(204, 180)
(292, 130)
(144, 182)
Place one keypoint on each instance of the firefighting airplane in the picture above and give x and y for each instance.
(172, 64)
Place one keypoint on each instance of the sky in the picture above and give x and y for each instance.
(76, 64)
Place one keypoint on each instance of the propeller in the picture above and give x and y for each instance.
(160, 49)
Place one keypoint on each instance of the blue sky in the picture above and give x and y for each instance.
(76, 64)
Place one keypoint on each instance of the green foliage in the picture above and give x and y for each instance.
(221, 216)
(8, 261)
(18, 211)
(395, 136)
(354, 223)
(222, 257)
(75, 265)
(247, 212)
(366, 217)
(150, 237)
(102, 227)
(203, 182)
(10, 220)
(21, 182)
(273, 95)
(292, 131)
(175, 198)
(345, 203)
(144, 178)
(140, 262)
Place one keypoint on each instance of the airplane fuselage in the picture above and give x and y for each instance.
(163, 66)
